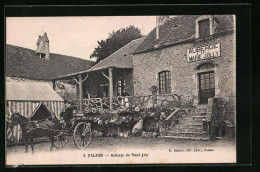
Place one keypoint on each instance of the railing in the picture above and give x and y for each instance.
(129, 103)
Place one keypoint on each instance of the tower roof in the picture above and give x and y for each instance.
(43, 45)
(45, 38)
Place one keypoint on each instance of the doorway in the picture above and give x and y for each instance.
(103, 89)
(206, 86)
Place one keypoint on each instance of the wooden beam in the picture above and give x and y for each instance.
(75, 80)
(105, 74)
(110, 71)
(80, 93)
(53, 84)
(85, 78)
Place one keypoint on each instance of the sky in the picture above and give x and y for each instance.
(73, 36)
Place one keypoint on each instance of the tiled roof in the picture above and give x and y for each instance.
(23, 62)
(179, 29)
(122, 58)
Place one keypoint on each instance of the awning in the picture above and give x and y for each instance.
(31, 91)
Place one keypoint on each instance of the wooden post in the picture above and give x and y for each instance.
(110, 79)
(53, 84)
(154, 95)
(80, 90)
(110, 71)
(80, 93)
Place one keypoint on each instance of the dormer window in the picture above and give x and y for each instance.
(42, 50)
(204, 26)
(42, 56)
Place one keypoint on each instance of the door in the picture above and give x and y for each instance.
(206, 86)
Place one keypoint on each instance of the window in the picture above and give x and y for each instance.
(206, 66)
(204, 29)
(204, 26)
(103, 90)
(207, 81)
(41, 55)
(165, 82)
(121, 87)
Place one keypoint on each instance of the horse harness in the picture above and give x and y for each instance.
(28, 129)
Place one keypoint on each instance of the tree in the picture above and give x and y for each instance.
(115, 41)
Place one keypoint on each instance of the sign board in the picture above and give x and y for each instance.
(203, 52)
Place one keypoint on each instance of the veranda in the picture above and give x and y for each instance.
(117, 83)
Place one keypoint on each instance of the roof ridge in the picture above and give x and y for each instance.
(138, 38)
(50, 53)
(72, 57)
(117, 51)
(124, 46)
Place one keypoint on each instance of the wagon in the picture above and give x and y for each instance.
(80, 130)
(79, 127)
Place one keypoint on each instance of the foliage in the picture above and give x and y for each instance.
(115, 41)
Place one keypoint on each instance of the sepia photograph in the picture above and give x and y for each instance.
(155, 89)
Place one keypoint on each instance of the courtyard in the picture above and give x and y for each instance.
(130, 150)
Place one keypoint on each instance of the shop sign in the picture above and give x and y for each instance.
(204, 52)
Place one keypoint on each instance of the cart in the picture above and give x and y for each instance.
(80, 130)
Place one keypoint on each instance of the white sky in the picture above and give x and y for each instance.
(73, 36)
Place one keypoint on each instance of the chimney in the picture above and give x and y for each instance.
(160, 20)
(43, 50)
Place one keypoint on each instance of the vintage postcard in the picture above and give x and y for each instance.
(120, 90)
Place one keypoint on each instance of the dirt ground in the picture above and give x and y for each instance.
(115, 150)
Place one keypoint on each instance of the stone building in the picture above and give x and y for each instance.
(192, 56)
(189, 55)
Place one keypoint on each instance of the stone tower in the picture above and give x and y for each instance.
(43, 50)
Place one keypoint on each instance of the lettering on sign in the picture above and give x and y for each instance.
(203, 52)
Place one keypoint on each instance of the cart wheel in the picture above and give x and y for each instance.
(60, 140)
(82, 135)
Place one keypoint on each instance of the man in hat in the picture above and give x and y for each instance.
(67, 113)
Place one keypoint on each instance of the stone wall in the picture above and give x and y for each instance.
(184, 74)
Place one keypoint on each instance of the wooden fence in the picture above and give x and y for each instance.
(141, 101)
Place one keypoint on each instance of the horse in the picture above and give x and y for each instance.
(35, 129)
